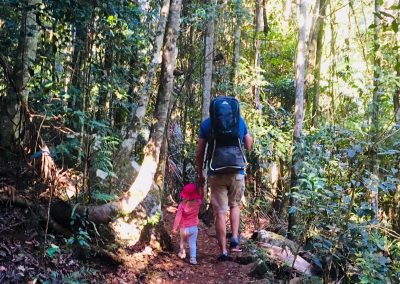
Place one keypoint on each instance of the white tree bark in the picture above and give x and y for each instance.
(143, 182)
(299, 105)
(300, 70)
(208, 60)
(124, 162)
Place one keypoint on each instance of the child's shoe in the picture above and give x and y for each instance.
(193, 261)
(182, 254)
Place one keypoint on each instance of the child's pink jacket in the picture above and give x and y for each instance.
(187, 214)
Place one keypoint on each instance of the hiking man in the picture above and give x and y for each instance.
(224, 134)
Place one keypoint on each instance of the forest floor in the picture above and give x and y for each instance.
(24, 259)
(171, 269)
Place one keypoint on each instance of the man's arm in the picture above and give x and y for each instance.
(248, 141)
(201, 146)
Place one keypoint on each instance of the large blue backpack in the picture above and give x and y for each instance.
(225, 153)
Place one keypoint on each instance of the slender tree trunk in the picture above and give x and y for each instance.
(208, 60)
(140, 111)
(312, 43)
(142, 184)
(124, 161)
(375, 110)
(265, 16)
(396, 95)
(159, 177)
(12, 117)
(236, 45)
(299, 107)
(288, 10)
(332, 73)
(79, 57)
(104, 93)
(257, 46)
(317, 67)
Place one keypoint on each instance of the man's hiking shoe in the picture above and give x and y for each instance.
(182, 254)
(224, 257)
(234, 246)
(193, 261)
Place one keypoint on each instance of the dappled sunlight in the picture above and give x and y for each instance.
(141, 185)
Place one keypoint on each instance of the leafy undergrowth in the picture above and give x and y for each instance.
(24, 258)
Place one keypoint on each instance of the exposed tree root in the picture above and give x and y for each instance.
(53, 224)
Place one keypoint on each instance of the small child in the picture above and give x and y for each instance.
(187, 219)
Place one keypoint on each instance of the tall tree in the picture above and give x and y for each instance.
(124, 159)
(257, 47)
(208, 58)
(143, 182)
(299, 107)
(236, 44)
(14, 105)
(317, 68)
(396, 95)
(376, 103)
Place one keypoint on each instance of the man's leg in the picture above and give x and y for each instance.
(219, 201)
(220, 229)
(235, 220)
(235, 194)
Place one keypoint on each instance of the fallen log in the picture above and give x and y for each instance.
(23, 202)
(286, 256)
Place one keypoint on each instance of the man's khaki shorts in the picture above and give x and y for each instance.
(226, 191)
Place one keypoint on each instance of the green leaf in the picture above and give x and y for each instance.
(395, 26)
(52, 250)
(104, 196)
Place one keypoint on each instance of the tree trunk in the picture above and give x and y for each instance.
(257, 46)
(312, 44)
(208, 60)
(236, 45)
(396, 95)
(375, 110)
(288, 10)
(124, 160)
(299, 108)
(12, 117)
(104, 93)
(332, 68)
(265, 15)
(317, 67)
(142, 184)
(79, 57)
